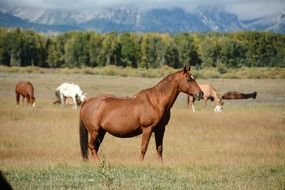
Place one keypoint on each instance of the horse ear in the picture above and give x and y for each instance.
(184, 70)
(189, 68)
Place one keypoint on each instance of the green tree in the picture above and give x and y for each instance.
(95, 44)
(15, 46)
(188, 52)
(77, 50)
(4, 48)
(128, 50)
(210, 52)
(233, 53)
(111, 50)
(172, 56)
(54, 57)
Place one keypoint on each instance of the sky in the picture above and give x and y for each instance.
(245, 9)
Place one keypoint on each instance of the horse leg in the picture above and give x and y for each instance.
(205, 101)
(91, 144)
(193, 108)
(23, 100)
(192, 104)
(100, 137)
(17, 99)
(62, 99)
(28, 99)
(146, 134)
(159, 133)
(188, 100)
(74, 103)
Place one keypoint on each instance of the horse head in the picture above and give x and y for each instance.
(83, 97)
(80, 96)
(188, 84)
(254, 95)
(219, 106)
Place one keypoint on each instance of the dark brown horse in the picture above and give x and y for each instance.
(26, 90)
(234, 95)
(146, 112)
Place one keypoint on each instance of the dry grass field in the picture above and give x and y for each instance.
(240, 148)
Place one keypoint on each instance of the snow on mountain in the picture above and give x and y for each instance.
(172, 20)
(219, 20)
(279, 24)
(7, 20)
(29, 14)
(274, 23)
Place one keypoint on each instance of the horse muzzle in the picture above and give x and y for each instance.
(199, 96)
(218, 109)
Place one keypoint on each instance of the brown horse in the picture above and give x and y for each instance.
(146, 112)
(26, 90)
(210, 93)
(234, 95)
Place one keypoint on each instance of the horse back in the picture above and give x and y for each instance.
(68, 90)
(90, 106)
(25, 88)
(208, 90)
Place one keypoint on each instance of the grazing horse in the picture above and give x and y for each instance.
(210, 93)
(26, 90)
(234, 95)
(146, 112)
(69, 90)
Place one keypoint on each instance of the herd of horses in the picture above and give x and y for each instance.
(150, 109)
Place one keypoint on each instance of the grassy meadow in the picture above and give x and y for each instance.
(240, 148)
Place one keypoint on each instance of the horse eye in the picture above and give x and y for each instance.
(191, 78)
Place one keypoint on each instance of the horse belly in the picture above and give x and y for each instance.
(121, 124)
(126, 134)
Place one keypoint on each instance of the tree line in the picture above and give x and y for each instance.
(146, 50)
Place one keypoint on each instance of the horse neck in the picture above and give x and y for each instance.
(165, 93)
(216, 98)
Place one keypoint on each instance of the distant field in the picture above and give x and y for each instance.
(204, 73)
(240, 148)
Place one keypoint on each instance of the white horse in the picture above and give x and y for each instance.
(70, 90)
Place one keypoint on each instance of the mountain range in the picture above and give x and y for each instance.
(131, 19)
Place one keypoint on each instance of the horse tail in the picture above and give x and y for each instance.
(83, 137)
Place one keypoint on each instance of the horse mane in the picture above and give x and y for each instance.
(161, 86)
